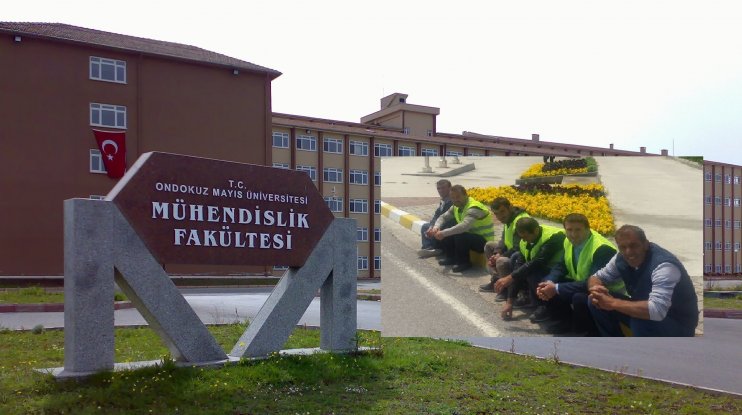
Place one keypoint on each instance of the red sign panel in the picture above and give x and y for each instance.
(191, 210)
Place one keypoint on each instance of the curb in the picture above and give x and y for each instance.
(403, 218)
(51, 307)
(722, 313)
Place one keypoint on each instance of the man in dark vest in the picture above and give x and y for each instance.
(502, 255)
(473, 229)
(430, 245)
(662, 300)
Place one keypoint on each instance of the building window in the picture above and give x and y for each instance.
(358, 177)
(737, 224)
(97, 197)
(728, 179)
(708, 200)
(717, 177)
(727, 201)
(362, 263)
(104, 115)
(708, 176)
(707, 246)
(362, 234)
(708, 223)
(332, 175)
(727, 246)
(718, 268)
(717, 223)
(280, 140)
(454, 153)
(475, 154)
(377, 206)
(102, 69)
(377, 178)
(728, 224)
(280, 267)
(739, 268)
(736, 202)
(406, 131)
(406, 151)
(310, 170)
(334, 203)
(281, 165)
(96, 162)
(736, 179)
(358, 148)
(429, 152)
(382, 150)
(358, 205)
(377, 262)
(333, 145)
(718, 246)
(377, 234)
(707, 268)
(727, 268)
(429, 133)
(717, 200)
(306, 143)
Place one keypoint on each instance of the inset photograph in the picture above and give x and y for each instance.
(532, 246)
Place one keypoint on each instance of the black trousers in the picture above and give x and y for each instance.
(458, 246)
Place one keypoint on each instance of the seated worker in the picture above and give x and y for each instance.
(541, 247)
(473, 229)
(430, 245)
(565, 288)
(662, 300)
(498, 254)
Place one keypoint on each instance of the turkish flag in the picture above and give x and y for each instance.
(112, 146)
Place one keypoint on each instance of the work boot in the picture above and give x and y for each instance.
(541, 314)
(487, 288)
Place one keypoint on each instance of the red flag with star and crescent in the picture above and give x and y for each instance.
(112, 146)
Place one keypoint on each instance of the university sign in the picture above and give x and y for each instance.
(171, 208)
(191, 210)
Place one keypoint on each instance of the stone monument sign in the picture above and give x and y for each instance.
(172, 208)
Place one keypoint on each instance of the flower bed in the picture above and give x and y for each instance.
(555, 202)
(561, 168)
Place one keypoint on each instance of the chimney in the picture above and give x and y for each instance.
(610, 146)
(534, 137)
(663, 151)
(642, 149)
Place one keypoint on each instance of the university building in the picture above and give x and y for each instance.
(60, 82)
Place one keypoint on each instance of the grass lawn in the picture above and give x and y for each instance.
(38, 295)
(409, 376)
(734, 303)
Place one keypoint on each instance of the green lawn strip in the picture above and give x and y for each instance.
(30, 295)
(410, 375)
(733, 303)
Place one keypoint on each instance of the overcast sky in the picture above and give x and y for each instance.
(659, 74)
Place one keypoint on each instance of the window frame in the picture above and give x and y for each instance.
(334, 203)
(312, 140)
(411, 151)
(310, 170)
(362, 263)
(356, 145)
(357, 176)
(283, 136)
(115, 63)
(386, 147)
(95, 154)
(332, 140)
(329, 172)
(360, 204)
(363, 233)
(99, 109)
(425, 151)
